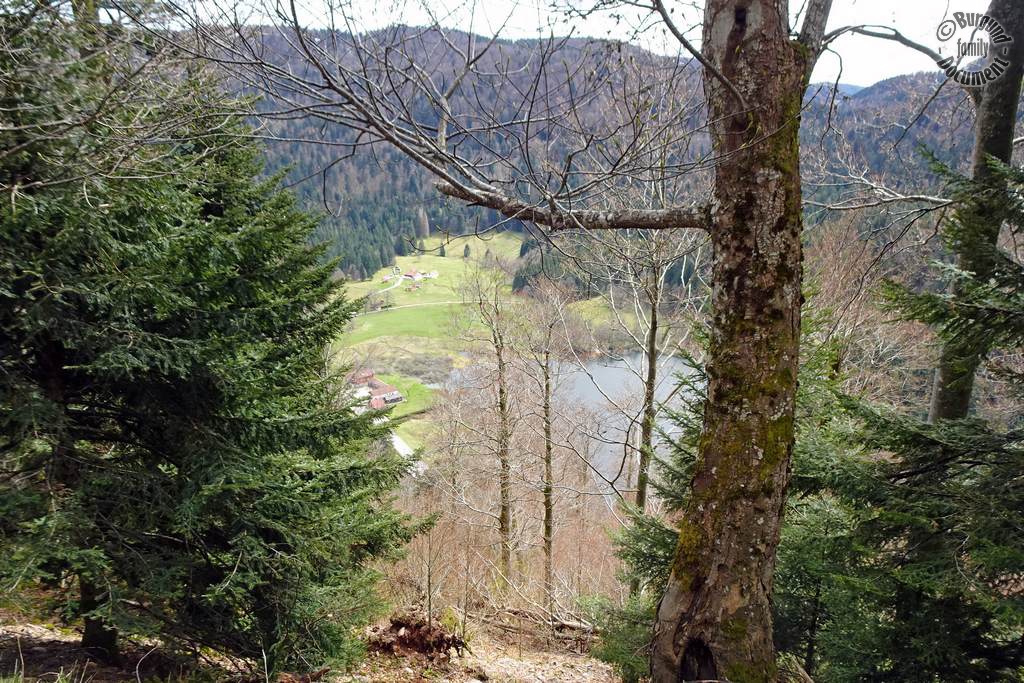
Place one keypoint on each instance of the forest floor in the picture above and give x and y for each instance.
(494, 658)
(32, 652)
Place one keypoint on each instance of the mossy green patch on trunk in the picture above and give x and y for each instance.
(751, 673)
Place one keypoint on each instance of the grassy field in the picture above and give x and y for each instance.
(425, 312)
(591, 310)
(433, 321)
(451, 269)
(597, 312)
(416, 433)
(418, 398)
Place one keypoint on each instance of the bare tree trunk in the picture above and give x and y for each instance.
(993, 137)
(649, 407)
(484, 292)
(97, 638)
(549, 502)
(647, 419)
(714, 621)
(504, 436)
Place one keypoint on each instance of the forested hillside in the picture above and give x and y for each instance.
(376, 202)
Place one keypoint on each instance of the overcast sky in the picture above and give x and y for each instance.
(863, 60)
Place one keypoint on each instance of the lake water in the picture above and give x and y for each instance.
(602, 401)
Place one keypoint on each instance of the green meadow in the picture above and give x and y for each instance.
(421, 319)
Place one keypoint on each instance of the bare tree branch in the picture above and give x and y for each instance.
(558, 218)
(885, 33)
(889, 33)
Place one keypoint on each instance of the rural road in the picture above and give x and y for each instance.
(401, 447)
(398, 280)
(427, 303)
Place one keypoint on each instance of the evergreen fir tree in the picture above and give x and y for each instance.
(183, 448)
(944, 518)
(175, 444)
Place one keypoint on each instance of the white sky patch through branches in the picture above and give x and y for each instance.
(855, 60)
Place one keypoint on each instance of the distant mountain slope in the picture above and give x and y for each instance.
(377, 201)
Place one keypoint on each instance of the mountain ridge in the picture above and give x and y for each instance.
(376, 202)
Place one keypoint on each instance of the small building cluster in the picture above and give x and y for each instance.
(412, 275)
(378, 394)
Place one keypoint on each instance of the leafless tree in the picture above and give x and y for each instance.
(492, 323)
(654, 317)
(552, 491)
(543, 346)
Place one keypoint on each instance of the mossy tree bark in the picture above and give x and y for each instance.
(996, 104)
(714, 621)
